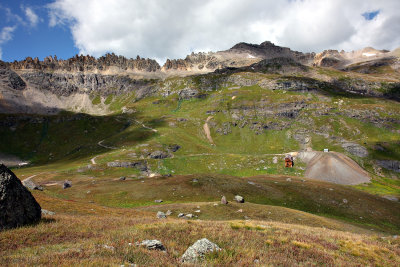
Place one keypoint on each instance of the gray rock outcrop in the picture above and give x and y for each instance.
(198, 250)
(393, 165)
(355, 149)
(17, 205)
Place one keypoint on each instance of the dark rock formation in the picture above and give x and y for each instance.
(17, 205)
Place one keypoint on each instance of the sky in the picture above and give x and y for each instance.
(162, 29)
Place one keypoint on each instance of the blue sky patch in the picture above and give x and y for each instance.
(370, 15)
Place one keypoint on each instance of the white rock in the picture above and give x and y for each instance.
(198, 250)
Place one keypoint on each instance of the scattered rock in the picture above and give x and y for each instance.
(189, 216)
(181, 215)
(198, 250)
(223, 200)
(17, 205)
(345, 201)
(122, 178)
(288, 180)
(67, 184)
(168, 213)
(29, 183)
(240, 210)
(239, 199)
(47, 212)
(195, 181)
(158, 201)
(197, 211)
(161, 215)
(152, 245)
(252, 183)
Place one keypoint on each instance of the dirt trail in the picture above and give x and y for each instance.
(93, 160)
(333, 167)
(206, 129)
(109, 147)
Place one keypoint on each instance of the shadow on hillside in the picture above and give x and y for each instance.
(67, 136)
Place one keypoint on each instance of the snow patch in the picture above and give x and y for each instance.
(369, 54)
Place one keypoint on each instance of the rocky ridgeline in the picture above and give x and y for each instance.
(268, 50)
(87, 63)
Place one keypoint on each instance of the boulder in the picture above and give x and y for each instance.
(30, 184)
(122, 178)
(67, 184)
(152, 245)
(17, 205)
(158, 201)
(198, 250)
(223, 200)
(181, 215)
(189, 216)
(239, 199)
(159, 155)
(161, 215)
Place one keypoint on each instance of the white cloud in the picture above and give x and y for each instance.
(174, 28)
(5, 36)
(33, 19)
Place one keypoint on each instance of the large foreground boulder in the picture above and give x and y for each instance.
(17, 205)
(198, 250)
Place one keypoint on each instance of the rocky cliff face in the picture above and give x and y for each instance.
(87, 64)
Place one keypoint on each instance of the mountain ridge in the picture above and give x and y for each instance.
(240, 55)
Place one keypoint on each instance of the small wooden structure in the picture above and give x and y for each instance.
(288, 161)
